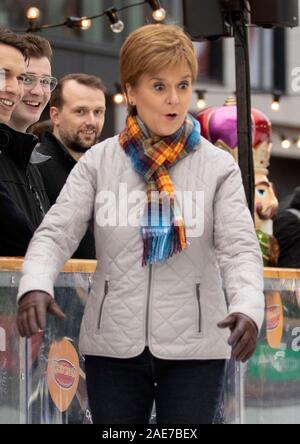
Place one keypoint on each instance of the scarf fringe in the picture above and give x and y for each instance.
(163, 234)
(160, 245)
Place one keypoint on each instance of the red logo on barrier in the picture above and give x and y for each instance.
(64, 373)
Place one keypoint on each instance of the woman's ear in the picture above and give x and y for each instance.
(130, 94)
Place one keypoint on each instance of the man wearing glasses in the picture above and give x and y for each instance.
(38, 84)
(23, 200)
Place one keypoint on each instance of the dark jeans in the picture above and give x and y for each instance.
(122, 391)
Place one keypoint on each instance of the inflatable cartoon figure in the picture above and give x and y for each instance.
(219, 126)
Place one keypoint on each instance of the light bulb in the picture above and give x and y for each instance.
(276, 101)
(286, 144)
(85, 24)
(275, 106)
(33, 13)
(119, 99)
(201, 104)
(118, 27)
(298, 143)
(159, 15)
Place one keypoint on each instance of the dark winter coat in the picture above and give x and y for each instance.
(287, 232)
(23, 199)
(55, 170)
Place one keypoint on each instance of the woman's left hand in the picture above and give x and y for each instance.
(244, 333)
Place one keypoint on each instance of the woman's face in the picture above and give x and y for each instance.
(162, 100)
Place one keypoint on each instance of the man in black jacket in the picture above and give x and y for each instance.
(77, 111)
(23, 197)
(13, 220)
(287, 232)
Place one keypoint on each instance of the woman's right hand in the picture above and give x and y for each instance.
(33, 307)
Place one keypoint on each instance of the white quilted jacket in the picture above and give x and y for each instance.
(173, 307)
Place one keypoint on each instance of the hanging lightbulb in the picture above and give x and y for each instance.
(298, 142)
(85, 24)
(33, 14)
(159, 14)
(118, 97)
(78, 23)
(285, 143)
(116, 25)
(276, 102)
(275, 106)
(201, 103)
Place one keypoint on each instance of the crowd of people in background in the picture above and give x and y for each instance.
(37, 156)
(31, 178)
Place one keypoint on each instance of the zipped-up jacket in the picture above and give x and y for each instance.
(58, 164)
(23, 184)
(173, 307)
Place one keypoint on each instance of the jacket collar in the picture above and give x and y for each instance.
(52, 140)
(18, 146)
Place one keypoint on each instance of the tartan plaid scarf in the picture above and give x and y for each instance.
(162, 227)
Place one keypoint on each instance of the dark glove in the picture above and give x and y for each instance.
(244, 333)
(33, 307)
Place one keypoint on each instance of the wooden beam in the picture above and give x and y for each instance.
(282, 273)
(72, 266)
(86, 266)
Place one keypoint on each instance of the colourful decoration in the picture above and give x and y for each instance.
(219, 126)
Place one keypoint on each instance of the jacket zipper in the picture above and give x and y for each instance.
(102, 303)
(148, 301)
(199, 308)
(35, 194)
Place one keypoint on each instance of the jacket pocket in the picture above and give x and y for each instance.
(106, 288)
(198, 297)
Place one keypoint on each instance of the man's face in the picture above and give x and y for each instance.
(36, 96)
(80, 121)
(12, 70)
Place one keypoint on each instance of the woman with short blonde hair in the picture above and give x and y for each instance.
(157, 324)
(152, 48)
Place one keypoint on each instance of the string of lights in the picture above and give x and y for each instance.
(33, 15)
(201, 97)
(288, 143)
(117, 26)
(159, 14)
(119, 98)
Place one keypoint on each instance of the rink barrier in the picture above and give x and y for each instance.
(42, 380)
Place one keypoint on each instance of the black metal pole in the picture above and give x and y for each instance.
(244, 122)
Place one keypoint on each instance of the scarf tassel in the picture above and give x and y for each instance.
(151, 158)
(160, 246)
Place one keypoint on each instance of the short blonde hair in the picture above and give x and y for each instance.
(152, 48)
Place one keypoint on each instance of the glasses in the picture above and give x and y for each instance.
(47, 83)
